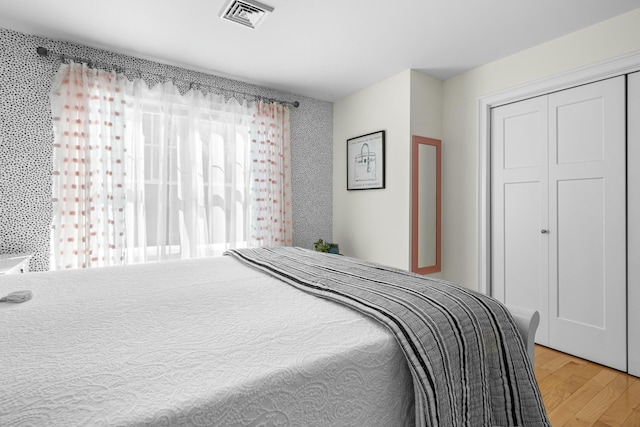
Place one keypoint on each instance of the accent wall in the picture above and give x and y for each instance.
(26, 139)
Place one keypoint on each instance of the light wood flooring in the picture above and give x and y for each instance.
(581, 393)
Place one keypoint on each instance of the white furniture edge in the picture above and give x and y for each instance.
(602, 70)
(11, 263)
(527, 321)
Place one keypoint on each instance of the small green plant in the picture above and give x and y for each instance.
(322, 246)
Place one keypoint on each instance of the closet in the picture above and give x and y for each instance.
(559, 217)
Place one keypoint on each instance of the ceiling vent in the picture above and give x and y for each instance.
(249, 13)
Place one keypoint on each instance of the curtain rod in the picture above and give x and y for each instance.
(44, 52)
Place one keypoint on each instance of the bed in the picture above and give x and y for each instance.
(244, 340)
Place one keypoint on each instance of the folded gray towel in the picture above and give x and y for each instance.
(17, 297)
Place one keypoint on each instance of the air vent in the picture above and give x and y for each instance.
(249, 13)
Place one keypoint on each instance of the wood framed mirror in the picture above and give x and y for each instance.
(426, 198)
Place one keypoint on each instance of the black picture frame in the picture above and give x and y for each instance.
(366, 161)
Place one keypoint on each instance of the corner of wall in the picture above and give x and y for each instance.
(426, 105)
(376, 224)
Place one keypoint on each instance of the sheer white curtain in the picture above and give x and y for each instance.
(200, 174)
(88, 167)
(270, 176)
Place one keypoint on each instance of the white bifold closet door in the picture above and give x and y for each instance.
(559, 216)
(520, 208)
(633, 218)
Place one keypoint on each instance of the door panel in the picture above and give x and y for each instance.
(633, 218)
(519, 207)
(582, 143)
(522, 252)
(580, 281)
(587, 229)
(521, 140)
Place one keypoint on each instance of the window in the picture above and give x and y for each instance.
(186, 175)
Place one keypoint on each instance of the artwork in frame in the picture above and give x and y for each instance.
(365, 161)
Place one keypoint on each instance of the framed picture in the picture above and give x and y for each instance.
(365, 161)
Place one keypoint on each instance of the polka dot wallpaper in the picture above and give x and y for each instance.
(26, 139)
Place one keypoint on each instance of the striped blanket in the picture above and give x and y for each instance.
(468, 362)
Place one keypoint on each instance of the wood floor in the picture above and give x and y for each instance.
(581, 393)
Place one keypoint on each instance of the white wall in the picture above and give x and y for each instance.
(426, 120)
(426, 105)
(608, 39)
(375, 224)
(372, 224)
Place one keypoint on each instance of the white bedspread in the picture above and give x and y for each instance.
(198, 342)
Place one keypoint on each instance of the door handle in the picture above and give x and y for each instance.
(543, 231)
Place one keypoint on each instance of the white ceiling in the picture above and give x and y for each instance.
(325, 49)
